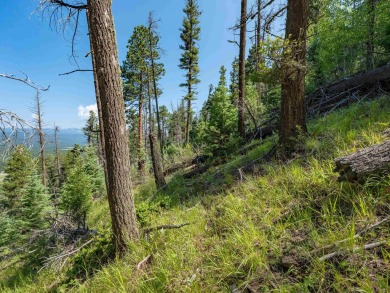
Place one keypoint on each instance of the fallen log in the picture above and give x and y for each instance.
(338, 94)
(262, 132)
(333, 96)
(374, 160)
(194, 161)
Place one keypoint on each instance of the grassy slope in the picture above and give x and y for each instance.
(260, 233)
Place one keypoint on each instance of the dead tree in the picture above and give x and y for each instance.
(11, 124)
(39, 123)
(374, 160)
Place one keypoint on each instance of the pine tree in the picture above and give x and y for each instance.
(134, 77)
(189, 61)
(34, 205)
(91, 129)
(106, 66)
(76, 194)
(18, 168)
(219, 131)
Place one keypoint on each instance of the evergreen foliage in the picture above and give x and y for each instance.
(217, 130)
(18, 168)
(76, 195)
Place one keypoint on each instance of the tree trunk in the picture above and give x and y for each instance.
(258, 54)
(188, 119)
(154, 147)
(58, 166)
(120, 198)
(101, 146)
(41, 139)
(241, 70)
(370, 64)
(292, 118)
(141, 159)
(155, 83)
(374, 160)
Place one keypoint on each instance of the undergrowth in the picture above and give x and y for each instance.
(263, 232)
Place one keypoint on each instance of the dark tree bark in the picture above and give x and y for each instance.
(154, 146)
(102, 35)
(141, 159)
(292, 118)
(370, 64)
(241, 70)
(374, 160)
(258, 54)
(101, 146)
(151, 21)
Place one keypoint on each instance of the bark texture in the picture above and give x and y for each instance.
(241, 70)
(101, 146)
(258, 47)
(141, 159)
(374, 160)
(102, 35)
(292, 118)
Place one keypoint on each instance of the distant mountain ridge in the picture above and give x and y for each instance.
(67, 138)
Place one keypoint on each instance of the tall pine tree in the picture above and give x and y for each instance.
(189, 61)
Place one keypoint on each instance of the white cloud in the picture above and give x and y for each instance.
(83, 112)
(34, 116)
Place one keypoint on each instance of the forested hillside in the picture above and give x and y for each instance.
(279, 183)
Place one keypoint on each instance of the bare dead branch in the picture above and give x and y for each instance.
(74, 71)
(355, 249)
(26, 81)
(358, 234)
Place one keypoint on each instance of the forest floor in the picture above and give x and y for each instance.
(282, 227)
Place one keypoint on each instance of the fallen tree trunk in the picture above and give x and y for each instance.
(340, 94)
(333, 96)
(374, 160)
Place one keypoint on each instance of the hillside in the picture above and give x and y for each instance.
(260, 231)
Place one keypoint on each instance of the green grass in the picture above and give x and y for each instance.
(242, 232)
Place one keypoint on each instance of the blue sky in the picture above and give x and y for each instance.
(29, 45)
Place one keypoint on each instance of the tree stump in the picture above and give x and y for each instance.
(374, 160)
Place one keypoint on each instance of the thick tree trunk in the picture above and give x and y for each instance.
(374, 160)
(241, 70)
(292, 118)
(102, 35)
(101, 145)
